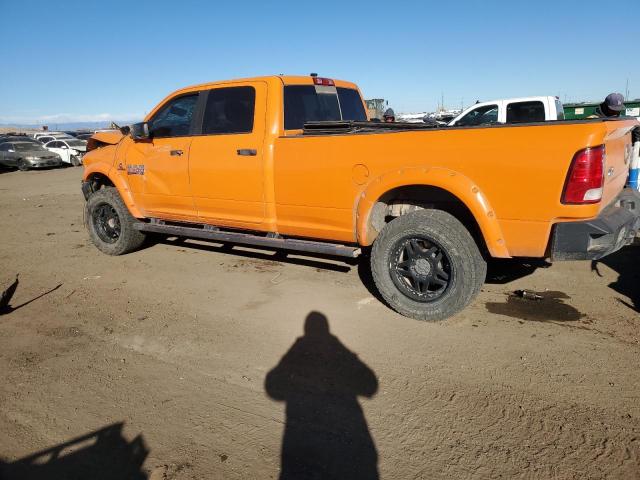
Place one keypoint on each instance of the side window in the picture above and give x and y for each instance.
(479, 116)
(521, 112)
(174, 119)
(229, 110)
(5, 147)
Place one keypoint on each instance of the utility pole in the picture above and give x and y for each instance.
(626, 90)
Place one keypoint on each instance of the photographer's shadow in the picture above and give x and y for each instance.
(326, 435)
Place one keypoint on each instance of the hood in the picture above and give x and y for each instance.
(108, 137)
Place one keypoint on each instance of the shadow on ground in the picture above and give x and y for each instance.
(626, 263)
(505, 270)
(326, 434)
(324, 262)
(100, 455)
(9, 292)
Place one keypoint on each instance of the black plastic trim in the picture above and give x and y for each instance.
(208, 232)
(614, 228)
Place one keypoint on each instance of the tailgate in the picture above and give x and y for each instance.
(618, 150)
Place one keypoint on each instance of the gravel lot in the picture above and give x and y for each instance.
(192, 360)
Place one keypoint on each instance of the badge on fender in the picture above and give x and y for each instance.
(135, 169)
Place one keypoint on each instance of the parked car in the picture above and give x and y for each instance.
(17, 137)
(290, 162)
(76, 133)
(84, 136)
(70, 150)
(27, 154)
(44, 137)
(511, 110)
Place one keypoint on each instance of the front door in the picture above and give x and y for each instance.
(158, 168)
(226, 158)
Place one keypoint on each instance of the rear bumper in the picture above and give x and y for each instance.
(616, 227)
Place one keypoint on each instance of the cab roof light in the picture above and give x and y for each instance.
(327, 82)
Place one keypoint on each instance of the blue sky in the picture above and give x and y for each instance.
(75, 60)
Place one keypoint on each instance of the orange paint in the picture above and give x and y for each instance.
(509, 177)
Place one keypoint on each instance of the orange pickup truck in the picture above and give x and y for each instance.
(291, 162)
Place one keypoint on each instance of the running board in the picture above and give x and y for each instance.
(212, 233)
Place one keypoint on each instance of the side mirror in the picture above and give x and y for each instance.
(64, 146)
(12, 151)
(140, 131)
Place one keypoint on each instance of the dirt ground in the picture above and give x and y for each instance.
(190, 360)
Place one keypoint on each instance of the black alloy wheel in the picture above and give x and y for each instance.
(420, 268)
(106, 223)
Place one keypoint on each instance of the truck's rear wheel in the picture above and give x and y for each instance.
(426, 265)
(110, 224)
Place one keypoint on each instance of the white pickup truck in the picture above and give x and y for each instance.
(511, 110)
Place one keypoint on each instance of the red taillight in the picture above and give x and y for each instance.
(327, 82)
(586, 177)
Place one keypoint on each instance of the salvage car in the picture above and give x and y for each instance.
(26, 155)
(291, 162)
(511, 110)
(70, 150)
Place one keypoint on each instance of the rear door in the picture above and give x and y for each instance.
(226, 159)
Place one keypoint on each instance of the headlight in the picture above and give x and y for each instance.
(31, 158)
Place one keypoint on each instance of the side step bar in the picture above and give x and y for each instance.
(210, 233)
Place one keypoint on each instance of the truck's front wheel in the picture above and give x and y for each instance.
(110, 224)
(426, 265)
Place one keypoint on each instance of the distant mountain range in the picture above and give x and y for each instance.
(54, 126)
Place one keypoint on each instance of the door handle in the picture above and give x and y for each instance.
(176, 153)
(248, 152)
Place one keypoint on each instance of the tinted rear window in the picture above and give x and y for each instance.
(351, 105)
(521, 112)
(302, 104)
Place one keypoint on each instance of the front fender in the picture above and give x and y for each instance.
(453, 182)
(115, 176)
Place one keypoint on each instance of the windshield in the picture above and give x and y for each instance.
(28, 147)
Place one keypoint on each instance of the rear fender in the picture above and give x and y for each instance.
(453, 182)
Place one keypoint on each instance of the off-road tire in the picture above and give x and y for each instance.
(75, 161)
(23, 166)
(464, 259)
(128, 239)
